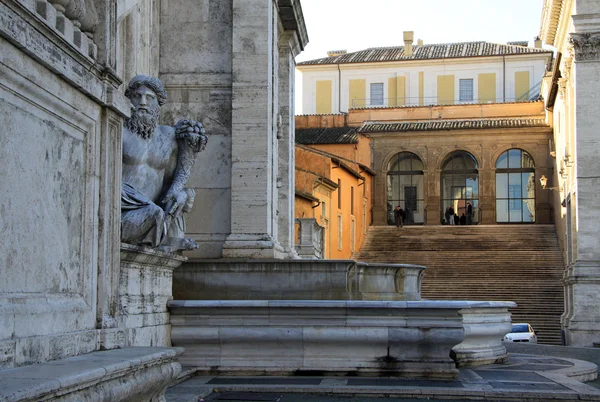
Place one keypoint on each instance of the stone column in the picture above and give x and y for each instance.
(288, 49)
(253, 210)
(582, 280)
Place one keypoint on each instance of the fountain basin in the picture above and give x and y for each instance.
(296, 280)
(383, 338)
(315, 316)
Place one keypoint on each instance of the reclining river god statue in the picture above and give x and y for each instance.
(156, 166)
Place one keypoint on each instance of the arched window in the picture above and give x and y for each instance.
(405, 187)
(460, 189)
(515, 187)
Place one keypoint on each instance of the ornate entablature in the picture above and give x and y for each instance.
(586, 46)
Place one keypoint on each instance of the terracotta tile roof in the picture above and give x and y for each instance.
(434, 125)
(433, 51)
(336, 135)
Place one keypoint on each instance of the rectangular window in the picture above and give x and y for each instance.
(339, 194)
(377, 94)
(465, 90)
(352, 235)
(364, 217)
(340, 231)
(352, 200)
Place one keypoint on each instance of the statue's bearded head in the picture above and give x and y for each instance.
(147, 95)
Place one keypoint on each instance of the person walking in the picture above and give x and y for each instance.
(451, 212)
(399, 215)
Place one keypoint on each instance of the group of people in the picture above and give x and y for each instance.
(453, 219)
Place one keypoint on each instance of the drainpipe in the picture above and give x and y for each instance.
(339, 89)
(503, 78)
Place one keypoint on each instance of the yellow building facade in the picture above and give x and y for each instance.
(454, 125)
(417, 75)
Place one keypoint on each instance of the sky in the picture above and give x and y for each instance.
(359, 24)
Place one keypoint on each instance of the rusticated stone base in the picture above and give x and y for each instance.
(130, 374)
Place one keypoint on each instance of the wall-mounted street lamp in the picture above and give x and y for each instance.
(568, 160)
(544, 181)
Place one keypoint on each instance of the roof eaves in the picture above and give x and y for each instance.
(347, 168)
(306, 195)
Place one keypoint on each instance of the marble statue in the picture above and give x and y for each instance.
(156, 165)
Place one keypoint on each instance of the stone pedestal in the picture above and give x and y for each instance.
(485, 325)
(145, 287)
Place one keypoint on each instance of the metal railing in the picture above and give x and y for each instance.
(532, 94)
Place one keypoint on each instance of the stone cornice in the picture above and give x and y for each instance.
(292, 19)
(550, 20)
(586, 46)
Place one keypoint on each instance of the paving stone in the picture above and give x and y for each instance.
(528, 386)
(393, 382)
(265, 381)
(503, 375)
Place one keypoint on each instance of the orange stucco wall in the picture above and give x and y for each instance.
(312, 166)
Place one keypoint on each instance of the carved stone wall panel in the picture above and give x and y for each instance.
(50, 199)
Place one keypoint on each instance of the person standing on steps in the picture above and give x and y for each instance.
(451, 212)
(469, 214)
(399, 216)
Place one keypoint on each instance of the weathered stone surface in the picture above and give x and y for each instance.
(145, 286)
(485, 326)
(359, 337)
(157, 161)
(131, 374)
(296, 280)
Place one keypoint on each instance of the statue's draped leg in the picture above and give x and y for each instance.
(142, 221)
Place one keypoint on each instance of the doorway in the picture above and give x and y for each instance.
(460, 188)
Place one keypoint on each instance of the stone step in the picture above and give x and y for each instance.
(520, 263)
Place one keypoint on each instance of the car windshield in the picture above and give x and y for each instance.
(520, 328)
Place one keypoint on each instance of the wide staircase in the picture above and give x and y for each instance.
(520, 263)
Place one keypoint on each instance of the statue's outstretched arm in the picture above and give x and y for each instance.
(191, 139)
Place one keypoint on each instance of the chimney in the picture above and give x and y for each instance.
(408, 41)
(537, 43)
(419, 42)
(333, 53)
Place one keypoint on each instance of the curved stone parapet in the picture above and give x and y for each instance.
(296, 280)
(383, 281)
(397, 338)
(485, 324)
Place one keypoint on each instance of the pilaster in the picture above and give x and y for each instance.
(582, 279)
(253, 210)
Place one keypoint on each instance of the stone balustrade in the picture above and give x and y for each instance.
(74, 20)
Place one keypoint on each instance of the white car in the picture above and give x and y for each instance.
(521, 332)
